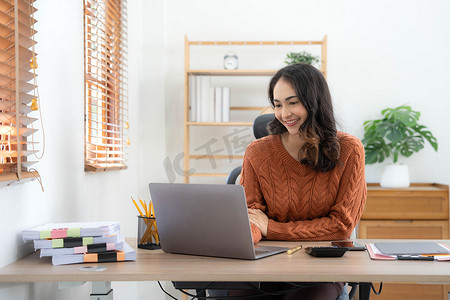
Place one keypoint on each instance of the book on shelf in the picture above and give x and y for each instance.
(192, 97)
(226, 104)
(198, 99)
(211, 108)
(204, 98)
(91, 248)
(75, 241)
(128, 254)
(218, 104)
(207, 103)
(74, 229)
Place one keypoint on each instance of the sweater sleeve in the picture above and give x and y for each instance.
(253, 192)
(256, 233)
(344, 214)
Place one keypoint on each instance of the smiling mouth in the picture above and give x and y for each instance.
(292, 122)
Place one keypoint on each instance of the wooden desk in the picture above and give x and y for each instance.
(153, 265)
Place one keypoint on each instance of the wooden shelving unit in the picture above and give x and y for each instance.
(228, 73)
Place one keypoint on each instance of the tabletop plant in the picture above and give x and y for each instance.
(397, 133)
(301, 57)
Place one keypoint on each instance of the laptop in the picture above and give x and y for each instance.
(205, 219)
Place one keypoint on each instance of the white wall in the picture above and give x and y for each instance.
(379, 55)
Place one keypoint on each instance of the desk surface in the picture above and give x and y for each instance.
(152, 265)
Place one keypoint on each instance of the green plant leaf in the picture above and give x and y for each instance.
(371, 125)
(392, 131)
(376, 150)
(427, 135)
(403, 114)
(301, 57)
(411, 144)
(397, 133)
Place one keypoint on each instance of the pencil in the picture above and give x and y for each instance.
(152, 209)
(144, 206)
(139, 210)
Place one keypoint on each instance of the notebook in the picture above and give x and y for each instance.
(75, 241)
(205, 219)
(74, 229)
(127, 254)
(92, 248)
(410, 248)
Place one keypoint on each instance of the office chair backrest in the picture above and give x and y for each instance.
(259, 131)
(260, 125)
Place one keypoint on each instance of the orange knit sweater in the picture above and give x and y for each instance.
(303, 204)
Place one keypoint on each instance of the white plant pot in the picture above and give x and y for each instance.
(395, 176)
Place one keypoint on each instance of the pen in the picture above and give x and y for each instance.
(415, 257)
(293, 250)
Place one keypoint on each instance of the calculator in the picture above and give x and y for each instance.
(326, 251)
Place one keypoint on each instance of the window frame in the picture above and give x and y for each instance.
(106, 99)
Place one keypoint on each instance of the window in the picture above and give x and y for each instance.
(106, 101)
(18, 90)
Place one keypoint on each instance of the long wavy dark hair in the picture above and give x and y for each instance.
(321, 149)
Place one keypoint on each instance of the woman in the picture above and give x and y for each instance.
(305, 181)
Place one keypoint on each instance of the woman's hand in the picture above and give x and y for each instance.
(257, 217)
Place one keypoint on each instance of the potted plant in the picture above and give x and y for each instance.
(301, 57)
(397, 133)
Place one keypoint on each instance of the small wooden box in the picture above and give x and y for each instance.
(418, 212)
(418, 202)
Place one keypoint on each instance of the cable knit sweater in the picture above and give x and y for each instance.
(303, 204)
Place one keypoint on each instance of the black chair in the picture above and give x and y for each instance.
(259, 131)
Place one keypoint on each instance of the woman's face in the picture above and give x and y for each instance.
(287, 107)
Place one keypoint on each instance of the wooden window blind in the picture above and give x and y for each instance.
(17, 89)
(106, 100)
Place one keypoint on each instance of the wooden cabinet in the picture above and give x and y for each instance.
(418, 212)
(190, 72)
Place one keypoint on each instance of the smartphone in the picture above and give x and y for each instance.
(351, 246)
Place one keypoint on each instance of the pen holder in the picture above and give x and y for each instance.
(148, 237)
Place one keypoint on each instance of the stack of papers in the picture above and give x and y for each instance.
(409, 251)
(80, 242)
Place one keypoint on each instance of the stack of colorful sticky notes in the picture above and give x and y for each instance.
(80, 242)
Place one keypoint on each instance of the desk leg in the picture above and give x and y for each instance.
(101, 290)
(364, 290)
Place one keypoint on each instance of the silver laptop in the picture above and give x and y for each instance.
(205, 219)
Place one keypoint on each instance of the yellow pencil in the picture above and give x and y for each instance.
(152, 210)
(139, 210)
(144, 206)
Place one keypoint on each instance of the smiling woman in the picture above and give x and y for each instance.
(305, 181)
